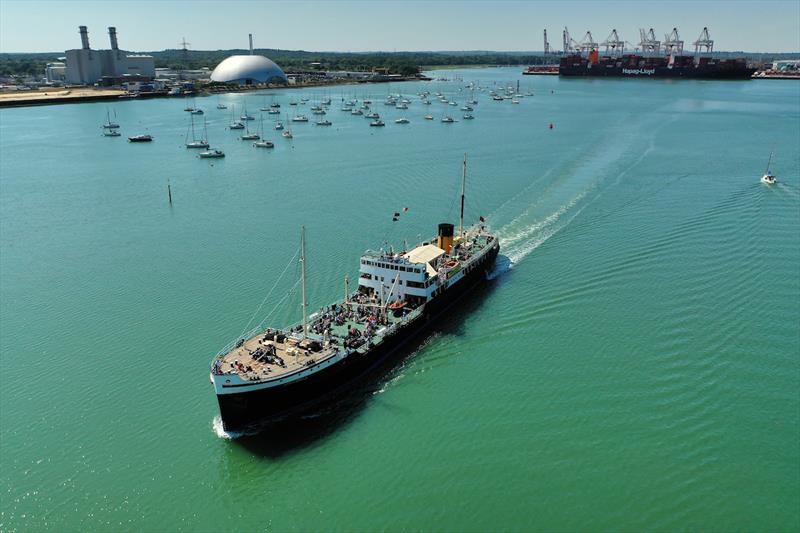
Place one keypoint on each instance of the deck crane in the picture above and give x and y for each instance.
(673, 43)
(614, 43)
(704, 41)
(648, 42)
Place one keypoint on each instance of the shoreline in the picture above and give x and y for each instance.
(77, 95)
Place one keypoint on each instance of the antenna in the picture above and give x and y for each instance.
(463, 180)
(303, 262)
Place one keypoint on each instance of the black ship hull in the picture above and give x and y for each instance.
(644, 66)
(241, 411)
(658, 72)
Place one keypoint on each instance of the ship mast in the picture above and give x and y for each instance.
(463, 179)
(303, 262)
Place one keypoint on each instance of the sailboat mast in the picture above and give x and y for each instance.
(303, 261)
(463, 180)
(769, 163)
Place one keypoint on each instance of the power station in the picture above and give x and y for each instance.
(87, 67)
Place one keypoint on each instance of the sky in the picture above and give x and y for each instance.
(151, 25)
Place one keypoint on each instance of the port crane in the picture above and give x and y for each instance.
(704, 41)
(546, 44)
(614, 43)
(673, 43)
(648, 42)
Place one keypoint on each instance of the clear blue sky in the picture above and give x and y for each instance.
(143, 25)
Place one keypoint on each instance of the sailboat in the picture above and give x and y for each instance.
(249, 136)
(287, 134)
(263, 143)
(110, 125)
(235, 124)
(195, 142)
(768, 177)
(209, 153)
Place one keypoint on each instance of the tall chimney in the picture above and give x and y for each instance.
(112, 36)
(84, 37)
(251, 43)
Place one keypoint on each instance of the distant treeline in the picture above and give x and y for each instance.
(405, 63)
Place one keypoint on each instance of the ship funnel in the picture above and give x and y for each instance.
(445, 238)
(112, 36)
(84, 37)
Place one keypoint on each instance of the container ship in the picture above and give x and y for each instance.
(652, 58)
(639, 66)
(273, 374)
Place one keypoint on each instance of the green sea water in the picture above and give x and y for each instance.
(633, 364)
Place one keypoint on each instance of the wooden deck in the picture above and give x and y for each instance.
(292, 353)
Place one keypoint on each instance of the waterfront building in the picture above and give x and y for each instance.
(248, 70)
(86, 66)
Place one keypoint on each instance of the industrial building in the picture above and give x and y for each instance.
(87, 67)
(55, 72)
(248, 70)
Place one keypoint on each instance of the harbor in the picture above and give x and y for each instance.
(399, 267)
(126, 297)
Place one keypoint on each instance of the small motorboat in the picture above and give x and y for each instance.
(300, 118)
(274, 111)
(111, 133)
(264, 144)
(324, 123)
(356, 112)
(236, 126)
(377, 123)
(769, 178)
(287, 134)
(448, 120)
(211, 154)
(250, 137)
(466, 108)
(401, 106)
(140, 139)
(222, 106)
(428, 117)
(468, 116)
(196, 111)
(372, 115)
(402, 121)
(278, 126)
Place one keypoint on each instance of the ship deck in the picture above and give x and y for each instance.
(350, 325)
(254, 359)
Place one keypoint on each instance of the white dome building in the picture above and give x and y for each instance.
(248, 70)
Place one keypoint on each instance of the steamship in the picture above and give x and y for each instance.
(269, 375)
